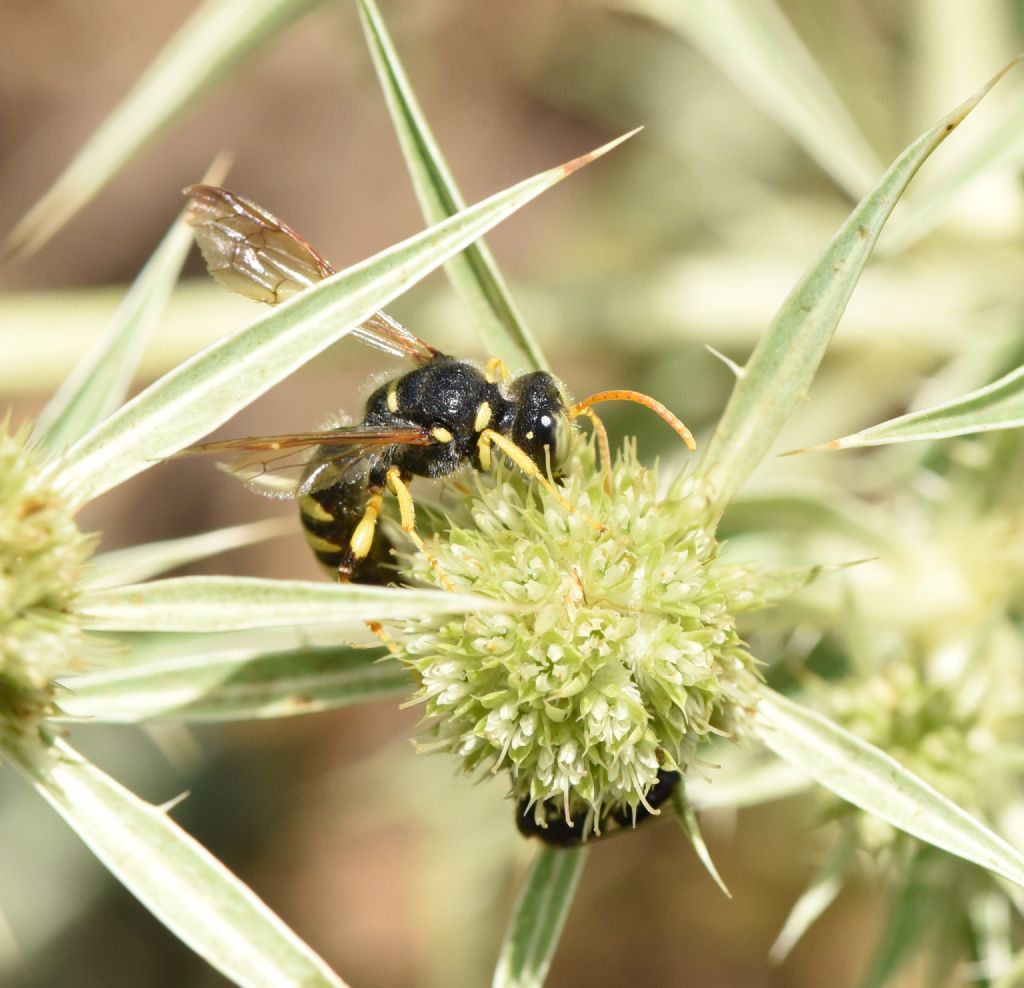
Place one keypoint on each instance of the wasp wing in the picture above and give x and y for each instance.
(295, 464)
(251, 252)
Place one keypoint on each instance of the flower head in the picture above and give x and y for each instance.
(41, 557)
(619, 655)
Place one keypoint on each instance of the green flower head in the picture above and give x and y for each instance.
(41, 557)
(618, 656)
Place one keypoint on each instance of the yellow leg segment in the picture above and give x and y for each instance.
(378, 629)
(362, 537)
(490, 438)
(407, 513)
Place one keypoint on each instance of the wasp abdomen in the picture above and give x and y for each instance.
(329, 518)
(558, 832)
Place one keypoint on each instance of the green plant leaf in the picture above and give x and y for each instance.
(752, 589)
(784, 362)
(232, 603)
(209, 388)
(218, 35)
(234, 685)
(690, 825)
(999, 405)
(817, 897)
(101, 379)
(176, 878)
(1001, 148)
(754, 45)
(867, 777)
(474, 272)
(142, 562)
(538, 918)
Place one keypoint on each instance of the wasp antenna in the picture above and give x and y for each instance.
(603, 446)
(581, 407)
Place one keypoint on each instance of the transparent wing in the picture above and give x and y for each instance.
(251, 252)
(298, 463)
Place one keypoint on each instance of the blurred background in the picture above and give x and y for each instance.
(395, 870)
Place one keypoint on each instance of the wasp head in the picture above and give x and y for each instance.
(542, 421)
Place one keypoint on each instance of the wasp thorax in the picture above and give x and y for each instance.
(542, 428)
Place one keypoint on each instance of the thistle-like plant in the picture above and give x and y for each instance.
(582, 663)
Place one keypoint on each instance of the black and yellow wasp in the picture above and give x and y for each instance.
(444, 414)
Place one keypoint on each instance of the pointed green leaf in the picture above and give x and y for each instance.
(817, 897)
(209, 388)
(177, 879)
(753, 589)
(217, 36)
(142, 562)
(234, 685)
(999, 405)
(752, 42)
(787, 356)
(538, 918)
(690, 826)
(474, 272)
(869, 778)
(231, 603)
(101, 379)
(1001, 149)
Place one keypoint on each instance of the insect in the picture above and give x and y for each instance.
(443, 414)
(558, 831)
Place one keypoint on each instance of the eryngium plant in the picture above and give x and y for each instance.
(86, 453)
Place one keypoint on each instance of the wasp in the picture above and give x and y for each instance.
(442, 415)
(559, 831)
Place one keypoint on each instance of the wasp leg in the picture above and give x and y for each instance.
(489, 437)
(361, 540)
(378, 630)
(496, 370)
(407, 512)
(603, 447)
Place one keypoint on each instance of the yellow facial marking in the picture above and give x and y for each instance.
(483, 417)
(393, 397)
(441, 434)
(529, 435)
